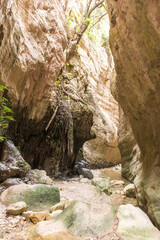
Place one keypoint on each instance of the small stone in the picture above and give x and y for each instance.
(115, 182)
(36, 217)
(86, 173)
(1, 234)
(17, 208)
(58, 206)
(118, 192)
(129, 190)
(85, 180)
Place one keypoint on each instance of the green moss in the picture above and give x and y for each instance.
(37, 197)
(79, 218)
(102, 185)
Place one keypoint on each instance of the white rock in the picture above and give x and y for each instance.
(129, 190)
(134, 224)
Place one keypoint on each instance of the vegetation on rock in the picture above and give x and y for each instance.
(5, 113)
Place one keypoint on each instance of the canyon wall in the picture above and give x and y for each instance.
(53, 119)
(135, 44)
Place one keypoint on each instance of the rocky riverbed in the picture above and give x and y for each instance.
(77, 189)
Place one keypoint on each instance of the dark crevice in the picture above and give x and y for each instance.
(1, 34)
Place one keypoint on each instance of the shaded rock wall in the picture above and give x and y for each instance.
(135, 44)
(130, 152)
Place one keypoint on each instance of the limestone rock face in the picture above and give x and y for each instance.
(137, 64)
(33, 45)
(130, 152)
(32, 53)
(103, 150)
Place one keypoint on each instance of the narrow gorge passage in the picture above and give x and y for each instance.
(79, 120)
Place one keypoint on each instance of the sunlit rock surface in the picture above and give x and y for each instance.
(135, 44)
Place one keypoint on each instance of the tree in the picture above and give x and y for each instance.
(84, 24)
(86, 20)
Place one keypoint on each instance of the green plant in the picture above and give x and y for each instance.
(5, 113)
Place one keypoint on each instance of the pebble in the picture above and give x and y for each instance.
(118, 192)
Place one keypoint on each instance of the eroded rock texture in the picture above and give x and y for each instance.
(130, 151)
(51, 125)
(135, 43)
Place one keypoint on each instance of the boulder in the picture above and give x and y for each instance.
(102, 185)
(12, 163)
(85, 173)
(17, 208)
(37, 197)
(129, 190)
(37, 176)
(80, 219)
(134, 224)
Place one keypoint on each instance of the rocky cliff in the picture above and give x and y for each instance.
(135, 44)
(53, 118)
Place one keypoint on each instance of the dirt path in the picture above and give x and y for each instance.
(15, 227)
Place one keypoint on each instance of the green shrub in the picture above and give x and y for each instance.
(5, 113)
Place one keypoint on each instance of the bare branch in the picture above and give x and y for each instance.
(95, 6)
(52, 118)
(77, 99)
(88, 6)
(98, 20)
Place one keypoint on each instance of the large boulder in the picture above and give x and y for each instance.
(37, 197)
(80, 219)
(134, 224)
(12, 163)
